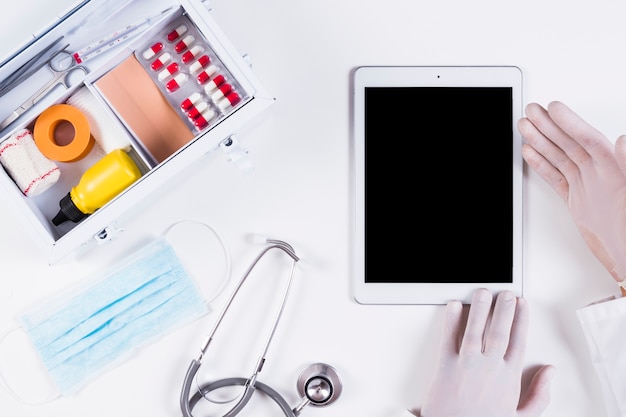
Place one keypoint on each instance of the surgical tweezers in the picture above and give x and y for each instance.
(27, 69)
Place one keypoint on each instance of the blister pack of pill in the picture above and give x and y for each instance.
(190, 75)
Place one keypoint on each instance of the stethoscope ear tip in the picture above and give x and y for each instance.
(320, 384)
(257, 238)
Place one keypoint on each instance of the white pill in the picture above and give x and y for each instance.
(204, 119)
(175, 83)
(170, 70)
(176, 33)
(197, 66)
(190, 101)
(153, 50)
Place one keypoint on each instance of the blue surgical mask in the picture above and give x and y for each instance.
(144, 296)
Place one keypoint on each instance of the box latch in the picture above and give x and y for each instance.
(107, 234)
(237, 154)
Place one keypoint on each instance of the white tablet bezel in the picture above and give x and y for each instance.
(441, 76)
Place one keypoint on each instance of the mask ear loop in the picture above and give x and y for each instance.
(228, 269)
(7, 387)
(225, 279)
(226, 252)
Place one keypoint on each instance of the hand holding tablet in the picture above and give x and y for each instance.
(437, 172)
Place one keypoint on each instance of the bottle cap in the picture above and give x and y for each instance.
(68, 212)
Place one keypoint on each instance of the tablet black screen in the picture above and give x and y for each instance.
(438, 184)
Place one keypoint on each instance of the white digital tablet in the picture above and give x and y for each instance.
(437, 177)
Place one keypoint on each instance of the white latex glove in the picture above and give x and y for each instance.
(482, 376)
(587, 171)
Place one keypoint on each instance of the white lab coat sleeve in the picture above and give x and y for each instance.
(604, 326)
(407, 413)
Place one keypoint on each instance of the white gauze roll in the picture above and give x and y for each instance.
(105, 130)
(30, 169)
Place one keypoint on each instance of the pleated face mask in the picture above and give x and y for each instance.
(80, 336)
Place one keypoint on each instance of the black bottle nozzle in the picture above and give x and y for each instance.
(67, 212)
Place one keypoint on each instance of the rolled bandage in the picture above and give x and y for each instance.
(28, 167)
(105, 130)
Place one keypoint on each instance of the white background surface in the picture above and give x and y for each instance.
(304, 53)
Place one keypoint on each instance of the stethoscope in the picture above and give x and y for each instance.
(319, 384)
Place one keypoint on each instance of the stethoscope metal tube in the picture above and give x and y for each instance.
(319, 384)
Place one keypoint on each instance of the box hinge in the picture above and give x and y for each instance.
(237, 154)
(207, 4)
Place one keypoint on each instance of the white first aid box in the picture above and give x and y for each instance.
(157, 78)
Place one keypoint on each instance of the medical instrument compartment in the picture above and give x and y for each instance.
(162, 81)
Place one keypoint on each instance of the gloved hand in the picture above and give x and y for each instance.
(587, 171)
(482, 376)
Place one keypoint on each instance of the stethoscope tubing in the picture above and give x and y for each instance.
(188, 403)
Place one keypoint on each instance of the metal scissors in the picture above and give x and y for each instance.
(61, 64)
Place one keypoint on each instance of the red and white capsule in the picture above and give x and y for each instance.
(177, 33)
(152, 51)
(161, 61)
(191, 54)
(185, 43)
(221, 92)
(204, 119)
(206, 75)
(197, 66)
(189, 102)
(230, 100)
(197, 110)
(212, 85)
(170, 70)
(175, 83)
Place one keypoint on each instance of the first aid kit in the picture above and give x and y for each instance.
(110, 102)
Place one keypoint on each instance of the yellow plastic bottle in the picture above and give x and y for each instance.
(99, 184)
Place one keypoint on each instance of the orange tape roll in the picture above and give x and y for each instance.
(45, 132)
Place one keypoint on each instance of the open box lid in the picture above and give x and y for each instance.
(43, 17)
(26, 31)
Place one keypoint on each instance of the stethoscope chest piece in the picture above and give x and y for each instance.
(320, 384)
